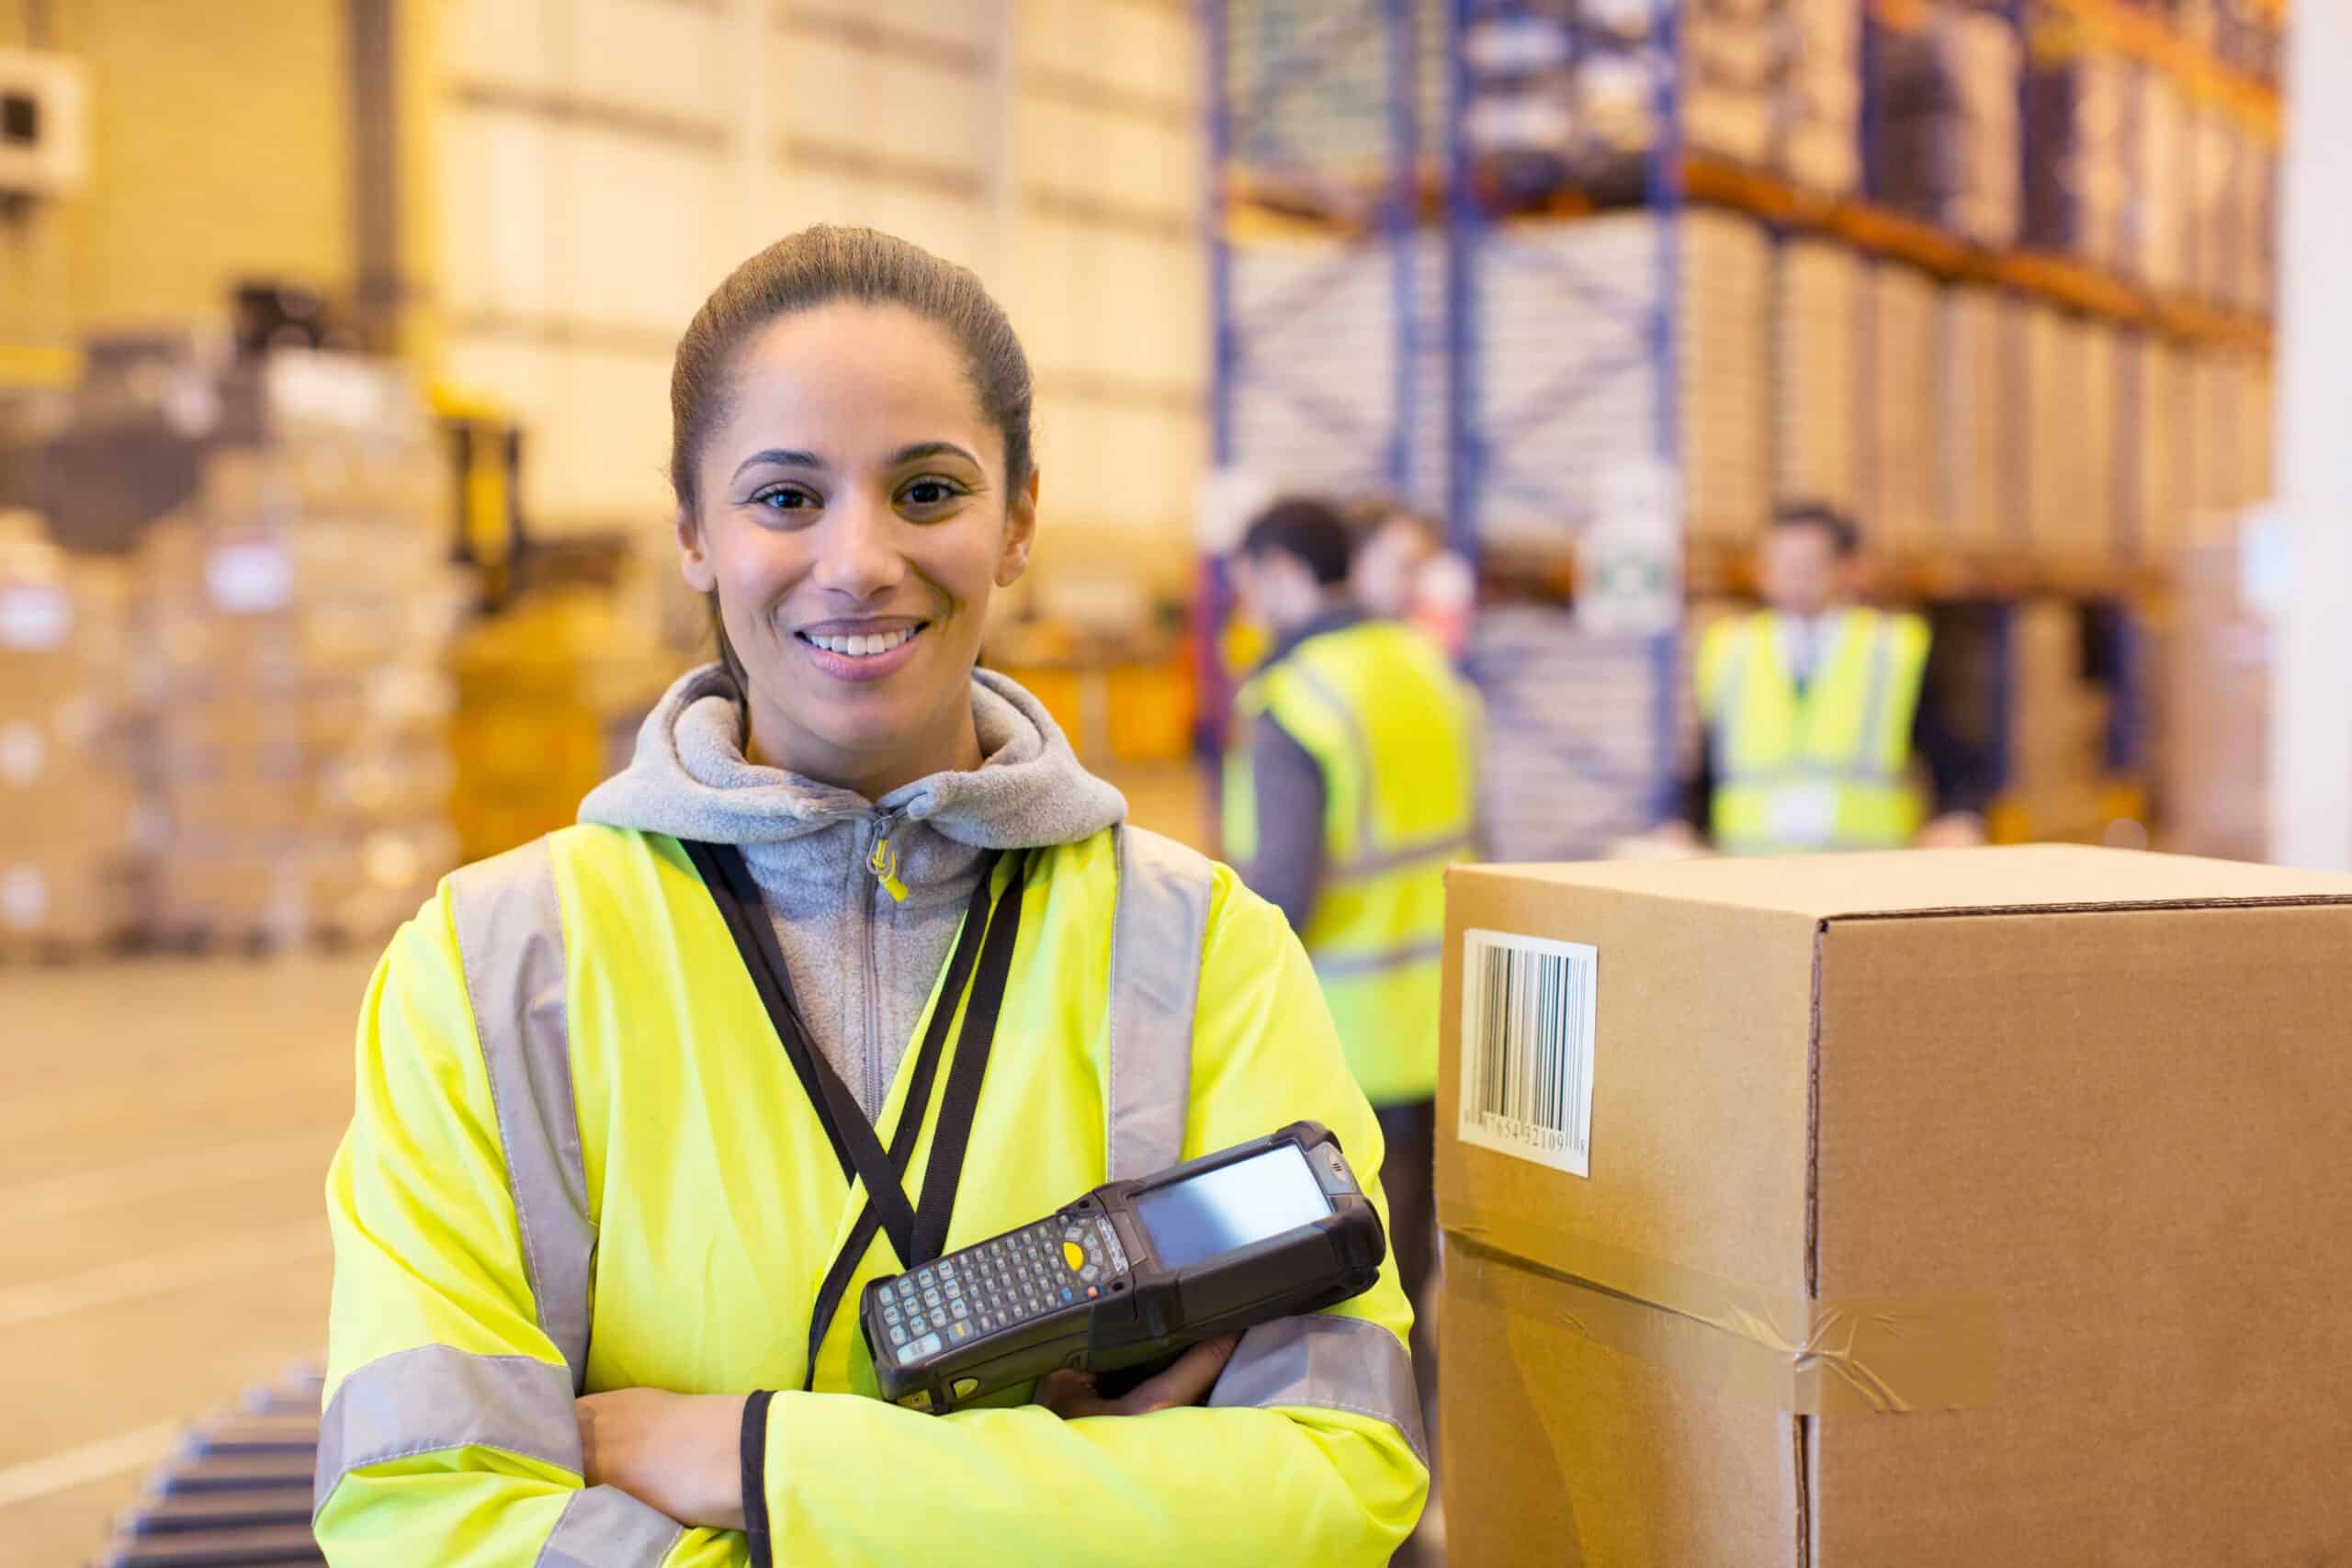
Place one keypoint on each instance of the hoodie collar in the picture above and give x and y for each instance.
(690, 779)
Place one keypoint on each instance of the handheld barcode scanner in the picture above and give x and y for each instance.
(1130, 1273)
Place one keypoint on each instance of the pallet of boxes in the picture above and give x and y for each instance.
(1932, 1209)
(69, 804)
(303, 607)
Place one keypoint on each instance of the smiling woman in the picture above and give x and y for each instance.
(855, 564)
(618, 1155)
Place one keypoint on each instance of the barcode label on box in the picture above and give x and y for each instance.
(1527, 1047)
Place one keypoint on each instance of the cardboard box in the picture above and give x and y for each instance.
(2214, 744)
(1943, 1209)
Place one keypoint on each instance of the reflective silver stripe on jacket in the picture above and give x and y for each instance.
(605, 1527)
(1325, 1363)
(510, 938)
(1358, 742)
(1156, 934)
(430, 1398)
(1871, 762)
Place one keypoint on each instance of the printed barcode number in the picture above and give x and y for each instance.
(1527, 1047)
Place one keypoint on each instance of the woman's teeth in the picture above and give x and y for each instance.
(865, 647)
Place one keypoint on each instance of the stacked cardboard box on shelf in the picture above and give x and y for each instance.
(2213, 784)
(1944, 133)
(2075, 184)
(1731, 54)
(1946, 121)
(2229, 410)
(1976, 481)
(1817, 392)
(2156, 216)
(2070, 440)
(2094, 534)
(69, 806)
(301, 608)
(2221, 219)
(2058, 722)
(1910, 1208)
(2157, 496)
(1585, 296)
(1820, 100)
(1899, 403)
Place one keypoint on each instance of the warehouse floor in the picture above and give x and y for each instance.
(164, 1129)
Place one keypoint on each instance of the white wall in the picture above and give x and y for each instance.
(2311, 749)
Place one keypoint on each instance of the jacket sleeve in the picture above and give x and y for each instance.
(1287, 869)
(1309, 1451)
(448, 1435)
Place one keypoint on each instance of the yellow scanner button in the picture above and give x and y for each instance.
(1074, 1255)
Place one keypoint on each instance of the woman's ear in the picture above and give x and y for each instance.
(1020, 532)
(693, 563)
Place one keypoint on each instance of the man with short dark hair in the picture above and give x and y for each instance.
(1813, 711)
(1349, 786)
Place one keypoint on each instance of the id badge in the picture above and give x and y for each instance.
(1803, 816)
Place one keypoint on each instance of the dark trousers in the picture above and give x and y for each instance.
(1410, 1132)
(1406, 1175)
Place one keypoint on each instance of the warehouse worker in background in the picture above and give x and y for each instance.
(593, 1298)
(1814, 712)
(1350, 786)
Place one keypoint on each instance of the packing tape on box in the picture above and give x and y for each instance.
(1883, 1355)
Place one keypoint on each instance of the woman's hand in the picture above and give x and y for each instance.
(1072, 1394)
(677, 1452)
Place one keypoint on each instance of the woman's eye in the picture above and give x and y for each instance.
(931, 492)
(784, 498)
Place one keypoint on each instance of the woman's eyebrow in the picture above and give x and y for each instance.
(783, 457)
(921, 449)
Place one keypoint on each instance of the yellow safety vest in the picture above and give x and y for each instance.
(581, 1160)
(1829, 768)
(1394, 733)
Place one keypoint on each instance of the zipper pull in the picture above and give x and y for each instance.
(883, 864)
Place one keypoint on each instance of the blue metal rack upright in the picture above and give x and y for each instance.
(1584, 730)
(1387, 320)
(1324, 338)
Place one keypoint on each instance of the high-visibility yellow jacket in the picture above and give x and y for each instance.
(581, 1160)
(1393, 731)
(1827, 768)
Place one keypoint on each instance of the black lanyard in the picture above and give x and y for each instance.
(917, 1233)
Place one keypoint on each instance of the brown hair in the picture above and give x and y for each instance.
(816, 266)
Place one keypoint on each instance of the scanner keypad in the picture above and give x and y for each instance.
(1002, 1283)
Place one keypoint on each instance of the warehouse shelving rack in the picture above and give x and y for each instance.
(1358, 199)
(1318, 196)
(1496, 452)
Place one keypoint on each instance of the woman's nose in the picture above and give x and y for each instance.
(857, 554)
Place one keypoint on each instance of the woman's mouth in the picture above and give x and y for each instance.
(865, 645)
(853, 655)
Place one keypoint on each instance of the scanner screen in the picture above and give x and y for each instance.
(1232, 1206)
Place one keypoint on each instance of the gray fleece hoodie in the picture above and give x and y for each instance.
(863, 964)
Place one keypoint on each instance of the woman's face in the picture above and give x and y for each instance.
(854, 515)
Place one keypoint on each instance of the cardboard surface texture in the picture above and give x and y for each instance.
(1944, 1209)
